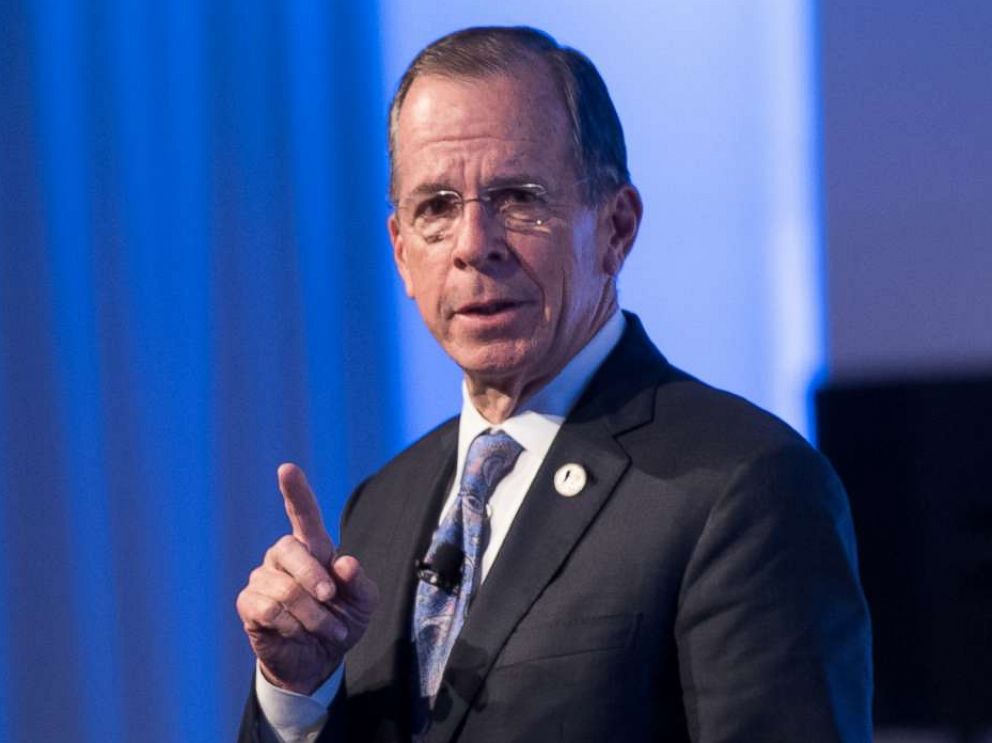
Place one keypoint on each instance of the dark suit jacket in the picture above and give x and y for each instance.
(703, 586)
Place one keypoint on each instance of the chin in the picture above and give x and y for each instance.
(497, 360)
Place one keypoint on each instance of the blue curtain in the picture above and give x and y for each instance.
(193, 288)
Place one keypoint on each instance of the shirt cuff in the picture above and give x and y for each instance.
(295, 718)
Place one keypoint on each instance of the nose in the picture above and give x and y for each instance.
(479, 237)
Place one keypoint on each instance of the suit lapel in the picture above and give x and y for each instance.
(378, 684)
(416, 522)
(548, 526)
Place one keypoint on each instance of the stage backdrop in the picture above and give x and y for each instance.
(195, 285)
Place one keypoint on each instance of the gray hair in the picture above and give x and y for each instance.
(597, 136)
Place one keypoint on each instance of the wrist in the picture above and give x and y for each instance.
(305, 686)
(293, 716)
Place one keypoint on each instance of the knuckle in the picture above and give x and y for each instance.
(241, 603)
(271, 553)
(280, 547)
(312, 575)
(270, 611)
(257, 575)
(287, 591)
(311, 619)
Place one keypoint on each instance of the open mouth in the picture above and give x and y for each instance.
(487, 309)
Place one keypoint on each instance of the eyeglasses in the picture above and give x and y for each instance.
(520, 207)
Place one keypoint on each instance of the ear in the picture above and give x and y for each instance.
(620, 220)
(399, 253)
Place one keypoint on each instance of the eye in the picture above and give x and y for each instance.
(516, 197)
(437, 206)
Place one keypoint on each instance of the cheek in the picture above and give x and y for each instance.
(427, 279)
(550, 269)
(584, 274)
(559, 284)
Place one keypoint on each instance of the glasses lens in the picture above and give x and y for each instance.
(433, 215)
(520, 206)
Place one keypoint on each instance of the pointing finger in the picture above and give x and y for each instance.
(304, 513)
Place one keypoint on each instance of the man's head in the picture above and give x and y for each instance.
(595, 132)
(510, 225)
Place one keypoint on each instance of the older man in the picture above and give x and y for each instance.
(600, 547)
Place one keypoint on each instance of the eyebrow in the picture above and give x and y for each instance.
(501, 181)
(432, 187)
(516, 179)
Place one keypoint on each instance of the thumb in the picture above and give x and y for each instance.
(304, 513)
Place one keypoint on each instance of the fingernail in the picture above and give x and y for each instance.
(341, 632)
(324, 591)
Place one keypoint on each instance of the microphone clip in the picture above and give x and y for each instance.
(444, 570)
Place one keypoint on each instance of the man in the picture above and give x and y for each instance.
(600, 547)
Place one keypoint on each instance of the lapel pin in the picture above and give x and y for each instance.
(570, 479)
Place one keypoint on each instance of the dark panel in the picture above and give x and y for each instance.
(914, 456)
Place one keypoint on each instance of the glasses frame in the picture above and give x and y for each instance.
(485, 197)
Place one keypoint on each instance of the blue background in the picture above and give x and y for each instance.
(196, 285)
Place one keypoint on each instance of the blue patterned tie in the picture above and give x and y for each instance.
(440, 610)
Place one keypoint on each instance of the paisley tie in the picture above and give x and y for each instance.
(441, 605)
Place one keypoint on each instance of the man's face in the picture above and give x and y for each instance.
(510, 306)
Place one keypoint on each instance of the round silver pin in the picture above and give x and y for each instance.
(570, 479)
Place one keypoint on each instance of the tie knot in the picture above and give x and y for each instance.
(490, 457)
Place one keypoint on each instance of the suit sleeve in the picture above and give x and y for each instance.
(772, 630)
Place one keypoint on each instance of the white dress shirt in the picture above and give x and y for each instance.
(299, 718)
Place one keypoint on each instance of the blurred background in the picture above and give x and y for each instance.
(196, 285)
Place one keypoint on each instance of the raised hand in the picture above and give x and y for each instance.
(303, 607)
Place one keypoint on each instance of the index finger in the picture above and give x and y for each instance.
(304, 513)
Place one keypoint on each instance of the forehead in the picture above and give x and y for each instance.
(465, 131)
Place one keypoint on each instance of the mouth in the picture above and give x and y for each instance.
(488, 308)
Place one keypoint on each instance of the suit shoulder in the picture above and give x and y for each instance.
(433, 445)
(716, 453)
(420, 459)
(696, 425)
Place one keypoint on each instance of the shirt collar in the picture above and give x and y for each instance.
(536, 423)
